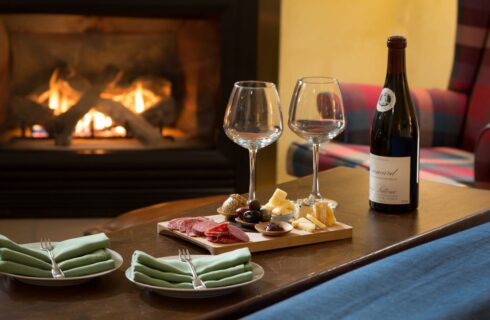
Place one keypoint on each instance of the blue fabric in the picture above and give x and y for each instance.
(448, 278)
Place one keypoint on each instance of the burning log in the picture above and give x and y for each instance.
(139, 127)
(63, 126)
(162, 114)
(69, 103)
(25, 112)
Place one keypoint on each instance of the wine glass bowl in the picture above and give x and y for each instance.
(316, 114)
(253, 119)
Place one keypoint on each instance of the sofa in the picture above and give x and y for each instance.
(440, 279)
(454, 123)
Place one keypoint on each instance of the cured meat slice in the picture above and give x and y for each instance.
(174, 224)
(185, 224)
(224, 239)
(226, 233)
(201, 227)
(189, 224)
(205, 227)
(238, 233)
(218, 231)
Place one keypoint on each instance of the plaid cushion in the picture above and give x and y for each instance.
(473, 18)
(478, 114)
(471, 67)
(482, 157)
(440, 114)
(441, 164)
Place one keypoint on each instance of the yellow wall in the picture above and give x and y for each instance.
(347, 40)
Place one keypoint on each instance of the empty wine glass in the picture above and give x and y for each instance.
(253, 119)
(317, 115)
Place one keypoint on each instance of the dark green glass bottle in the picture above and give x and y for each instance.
(394, 158)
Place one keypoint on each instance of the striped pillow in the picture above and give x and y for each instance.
(473, 19)
(440, 114)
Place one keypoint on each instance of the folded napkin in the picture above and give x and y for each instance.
(76, 257)
(216, 271)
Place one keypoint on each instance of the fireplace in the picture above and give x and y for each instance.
(109, 108)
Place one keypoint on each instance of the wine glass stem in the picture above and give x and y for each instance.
(252, 153)
(315, 190)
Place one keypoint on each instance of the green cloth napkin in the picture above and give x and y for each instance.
(76, 257)
(216, 271)
(62, 250)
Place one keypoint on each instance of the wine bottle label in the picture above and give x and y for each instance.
(389, 179)
(386, 100)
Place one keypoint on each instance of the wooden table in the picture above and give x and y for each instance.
(443, 209)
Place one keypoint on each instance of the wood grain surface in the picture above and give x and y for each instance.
(443, 209)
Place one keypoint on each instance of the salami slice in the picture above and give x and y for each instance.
(224, 239)
(201, 227)
(218, 231)
(238, 233)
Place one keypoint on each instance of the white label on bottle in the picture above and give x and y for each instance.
(386, 100)
(389, 179)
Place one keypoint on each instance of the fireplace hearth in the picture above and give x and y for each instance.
(108, 107)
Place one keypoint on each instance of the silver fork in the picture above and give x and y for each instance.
(185, 256)
(55, 270)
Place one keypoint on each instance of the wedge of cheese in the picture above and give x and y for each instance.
(277, 199)
(302, 209)
(278, 204)
(317, 222)
(323, 212)
(304, 224)
(285, 208)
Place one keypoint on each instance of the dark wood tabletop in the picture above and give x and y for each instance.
(443, 209)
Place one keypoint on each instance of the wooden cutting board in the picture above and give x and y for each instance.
(259, 242)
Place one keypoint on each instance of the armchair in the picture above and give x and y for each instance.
(454, 123)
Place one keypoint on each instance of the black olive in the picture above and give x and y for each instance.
(254, 205)
(252, 216)
(240, 211)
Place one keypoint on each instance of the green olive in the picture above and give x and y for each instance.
(266, 215)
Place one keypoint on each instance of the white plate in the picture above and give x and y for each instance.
(51, 282)
(257, 271)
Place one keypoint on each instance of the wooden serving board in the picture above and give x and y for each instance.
(259, 242)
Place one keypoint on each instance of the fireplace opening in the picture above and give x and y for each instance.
(106, 108)
(90, 82)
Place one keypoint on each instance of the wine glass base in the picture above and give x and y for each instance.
(332, 203)
(312, 199)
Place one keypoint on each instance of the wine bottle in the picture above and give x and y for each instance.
(394, 153)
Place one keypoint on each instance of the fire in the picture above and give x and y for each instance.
(139, 102)
(60, 97)
(54, 94)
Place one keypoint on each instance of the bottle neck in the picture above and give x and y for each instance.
(396, 61)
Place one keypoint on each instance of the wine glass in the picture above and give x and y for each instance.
(317, 115)
(253, 120)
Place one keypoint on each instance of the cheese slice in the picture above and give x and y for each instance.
(302, 209)
(278, 198)
(317, 222)
(278, 204)
(323, 212)
(304, 224)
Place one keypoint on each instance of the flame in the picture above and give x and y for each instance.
(61, 96)
(54, 97)
(139, 102)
